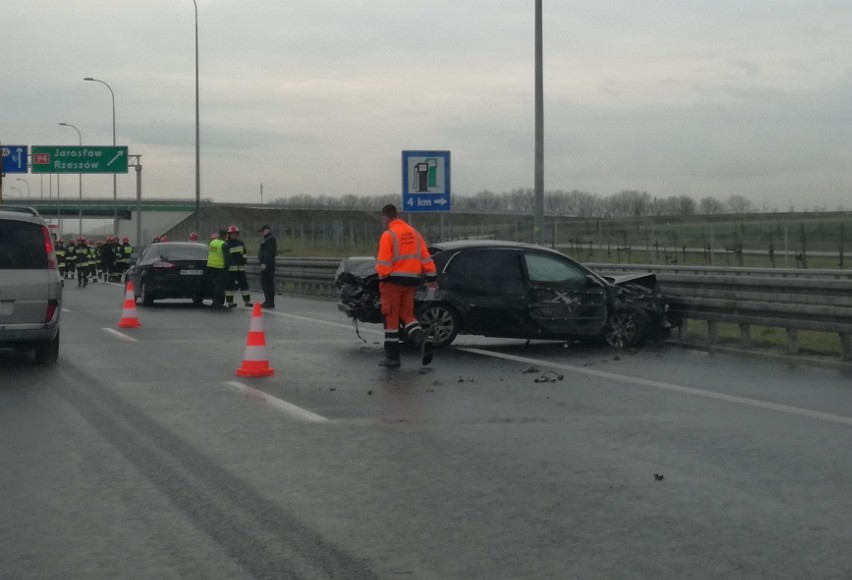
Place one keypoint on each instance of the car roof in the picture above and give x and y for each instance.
(486, 244)
(20, 213)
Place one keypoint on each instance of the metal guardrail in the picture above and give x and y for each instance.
(791, 299)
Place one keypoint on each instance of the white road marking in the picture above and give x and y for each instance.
(668, 387)
(120, 335)
(313, 320)
(290, 409)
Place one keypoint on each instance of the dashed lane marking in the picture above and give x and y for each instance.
(288, 408)
(120, 335)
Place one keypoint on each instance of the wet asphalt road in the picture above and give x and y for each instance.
(142, 455)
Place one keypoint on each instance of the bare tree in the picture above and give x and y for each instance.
(711, 206)
(739, 204)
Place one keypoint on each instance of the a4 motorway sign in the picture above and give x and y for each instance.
(86, 159)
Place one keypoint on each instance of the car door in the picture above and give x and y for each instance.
(563, 299)
(487, 287)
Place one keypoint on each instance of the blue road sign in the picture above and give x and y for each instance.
(14, 158)
(426, 181)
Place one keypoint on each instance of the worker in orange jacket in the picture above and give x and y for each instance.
(402, 264)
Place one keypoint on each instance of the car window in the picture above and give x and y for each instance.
(543, 268)
(21, 246)
(492, 271)
(176, 252)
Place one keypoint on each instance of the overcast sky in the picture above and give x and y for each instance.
(695, 97)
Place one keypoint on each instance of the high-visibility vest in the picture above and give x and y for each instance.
(216, 254)
(403, 256)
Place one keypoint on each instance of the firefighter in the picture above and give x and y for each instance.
(82, 263)
(124, 254)
(98, 270)
(402, 262)
(71, 259)
(108, 258)
(236, 250)
(59, 250)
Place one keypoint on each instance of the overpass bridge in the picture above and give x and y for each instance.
(136, 219)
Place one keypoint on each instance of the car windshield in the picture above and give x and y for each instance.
(22, 246)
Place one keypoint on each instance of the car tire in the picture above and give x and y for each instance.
(440, 322)
(627, 328)
(198, 300)
(146, 296)
(47, 352)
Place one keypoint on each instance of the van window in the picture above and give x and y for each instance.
(21, 246)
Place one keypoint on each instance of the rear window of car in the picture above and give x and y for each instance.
(182, 252)
(21, 246)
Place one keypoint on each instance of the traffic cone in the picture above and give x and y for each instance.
(128, 315)
(255, 363)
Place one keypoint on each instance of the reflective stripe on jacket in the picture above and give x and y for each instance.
(236, 255)
(403, 257)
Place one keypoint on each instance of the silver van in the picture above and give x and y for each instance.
(30, 284)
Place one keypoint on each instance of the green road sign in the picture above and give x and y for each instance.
(62, 159)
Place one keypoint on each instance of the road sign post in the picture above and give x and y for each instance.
(88, 159)
(426, 181)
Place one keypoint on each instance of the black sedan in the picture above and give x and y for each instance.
(513, 290)
(171, 270)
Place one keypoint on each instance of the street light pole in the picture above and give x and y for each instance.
(80, 177)
(114, 189)
(538, 212)
(197, 142)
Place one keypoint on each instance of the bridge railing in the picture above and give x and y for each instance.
(790, 299)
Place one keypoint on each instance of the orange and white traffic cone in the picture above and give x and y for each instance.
(128, 315)
(255, 363)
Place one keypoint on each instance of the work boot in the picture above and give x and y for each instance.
(391, 359)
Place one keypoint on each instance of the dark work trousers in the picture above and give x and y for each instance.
(267, 283)
(219, 276)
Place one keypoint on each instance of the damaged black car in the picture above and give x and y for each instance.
(515, 290)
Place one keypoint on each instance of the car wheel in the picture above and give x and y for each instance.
(147, 296)
(627, 328)
(440, 322)
(198, 300)
(47, 352)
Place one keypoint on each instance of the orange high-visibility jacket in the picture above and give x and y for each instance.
(403, 257)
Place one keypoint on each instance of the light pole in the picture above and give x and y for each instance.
(197, 144)
(80, 177)
(25, 182)
(538, 211)
(114, 190)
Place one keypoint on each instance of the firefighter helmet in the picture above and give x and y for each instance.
(124, 240)
(233, 230)
(193, 236)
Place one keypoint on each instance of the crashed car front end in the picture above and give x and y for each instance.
(357, 286)
(642, 291)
